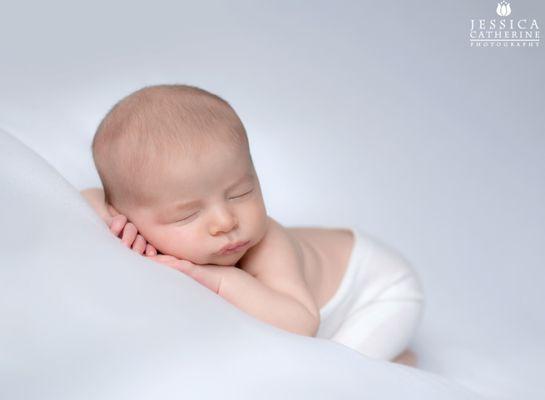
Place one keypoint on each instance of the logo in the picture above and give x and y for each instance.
(503, 32)
(504, 9)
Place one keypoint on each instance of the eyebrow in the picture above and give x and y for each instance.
(183, 205)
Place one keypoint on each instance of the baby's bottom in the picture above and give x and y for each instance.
(383, 328)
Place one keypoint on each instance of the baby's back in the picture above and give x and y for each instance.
(326, 252)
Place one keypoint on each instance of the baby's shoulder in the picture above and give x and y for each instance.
(324, 238)
(277, 247)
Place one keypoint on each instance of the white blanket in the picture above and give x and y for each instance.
(82, 317)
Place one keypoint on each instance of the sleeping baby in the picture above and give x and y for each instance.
(180, 188)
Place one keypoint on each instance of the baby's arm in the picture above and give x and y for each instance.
(271, 306)
(277, 264)
(250, 295)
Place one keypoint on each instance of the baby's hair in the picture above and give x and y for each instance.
(154, 125)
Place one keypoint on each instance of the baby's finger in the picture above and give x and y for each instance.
(108, 219)
(117, 223)
(129, 234)
(165, 260)
(112, 210)
(150, 250)
(139, 244)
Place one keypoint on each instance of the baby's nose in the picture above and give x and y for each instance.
(224, 221)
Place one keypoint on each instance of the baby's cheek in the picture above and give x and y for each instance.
(257, 215)
(160, 239)
(183, 245)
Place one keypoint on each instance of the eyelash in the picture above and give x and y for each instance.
(242, 195)
(232, 198)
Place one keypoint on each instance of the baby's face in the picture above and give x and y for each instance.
(205, 203)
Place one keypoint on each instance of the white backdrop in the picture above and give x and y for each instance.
(378, 115)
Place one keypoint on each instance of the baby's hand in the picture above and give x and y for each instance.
(117, 222)
(127, 232)
(208, 275)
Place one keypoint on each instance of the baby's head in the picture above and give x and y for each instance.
(175, 160)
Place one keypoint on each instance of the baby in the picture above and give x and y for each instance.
(180, 188)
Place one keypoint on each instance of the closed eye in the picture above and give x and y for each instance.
(242, 195)
(231, 198)
(189, 216)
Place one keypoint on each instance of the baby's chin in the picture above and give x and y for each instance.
(227, 260)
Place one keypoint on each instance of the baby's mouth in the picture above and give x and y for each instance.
(233, 248)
